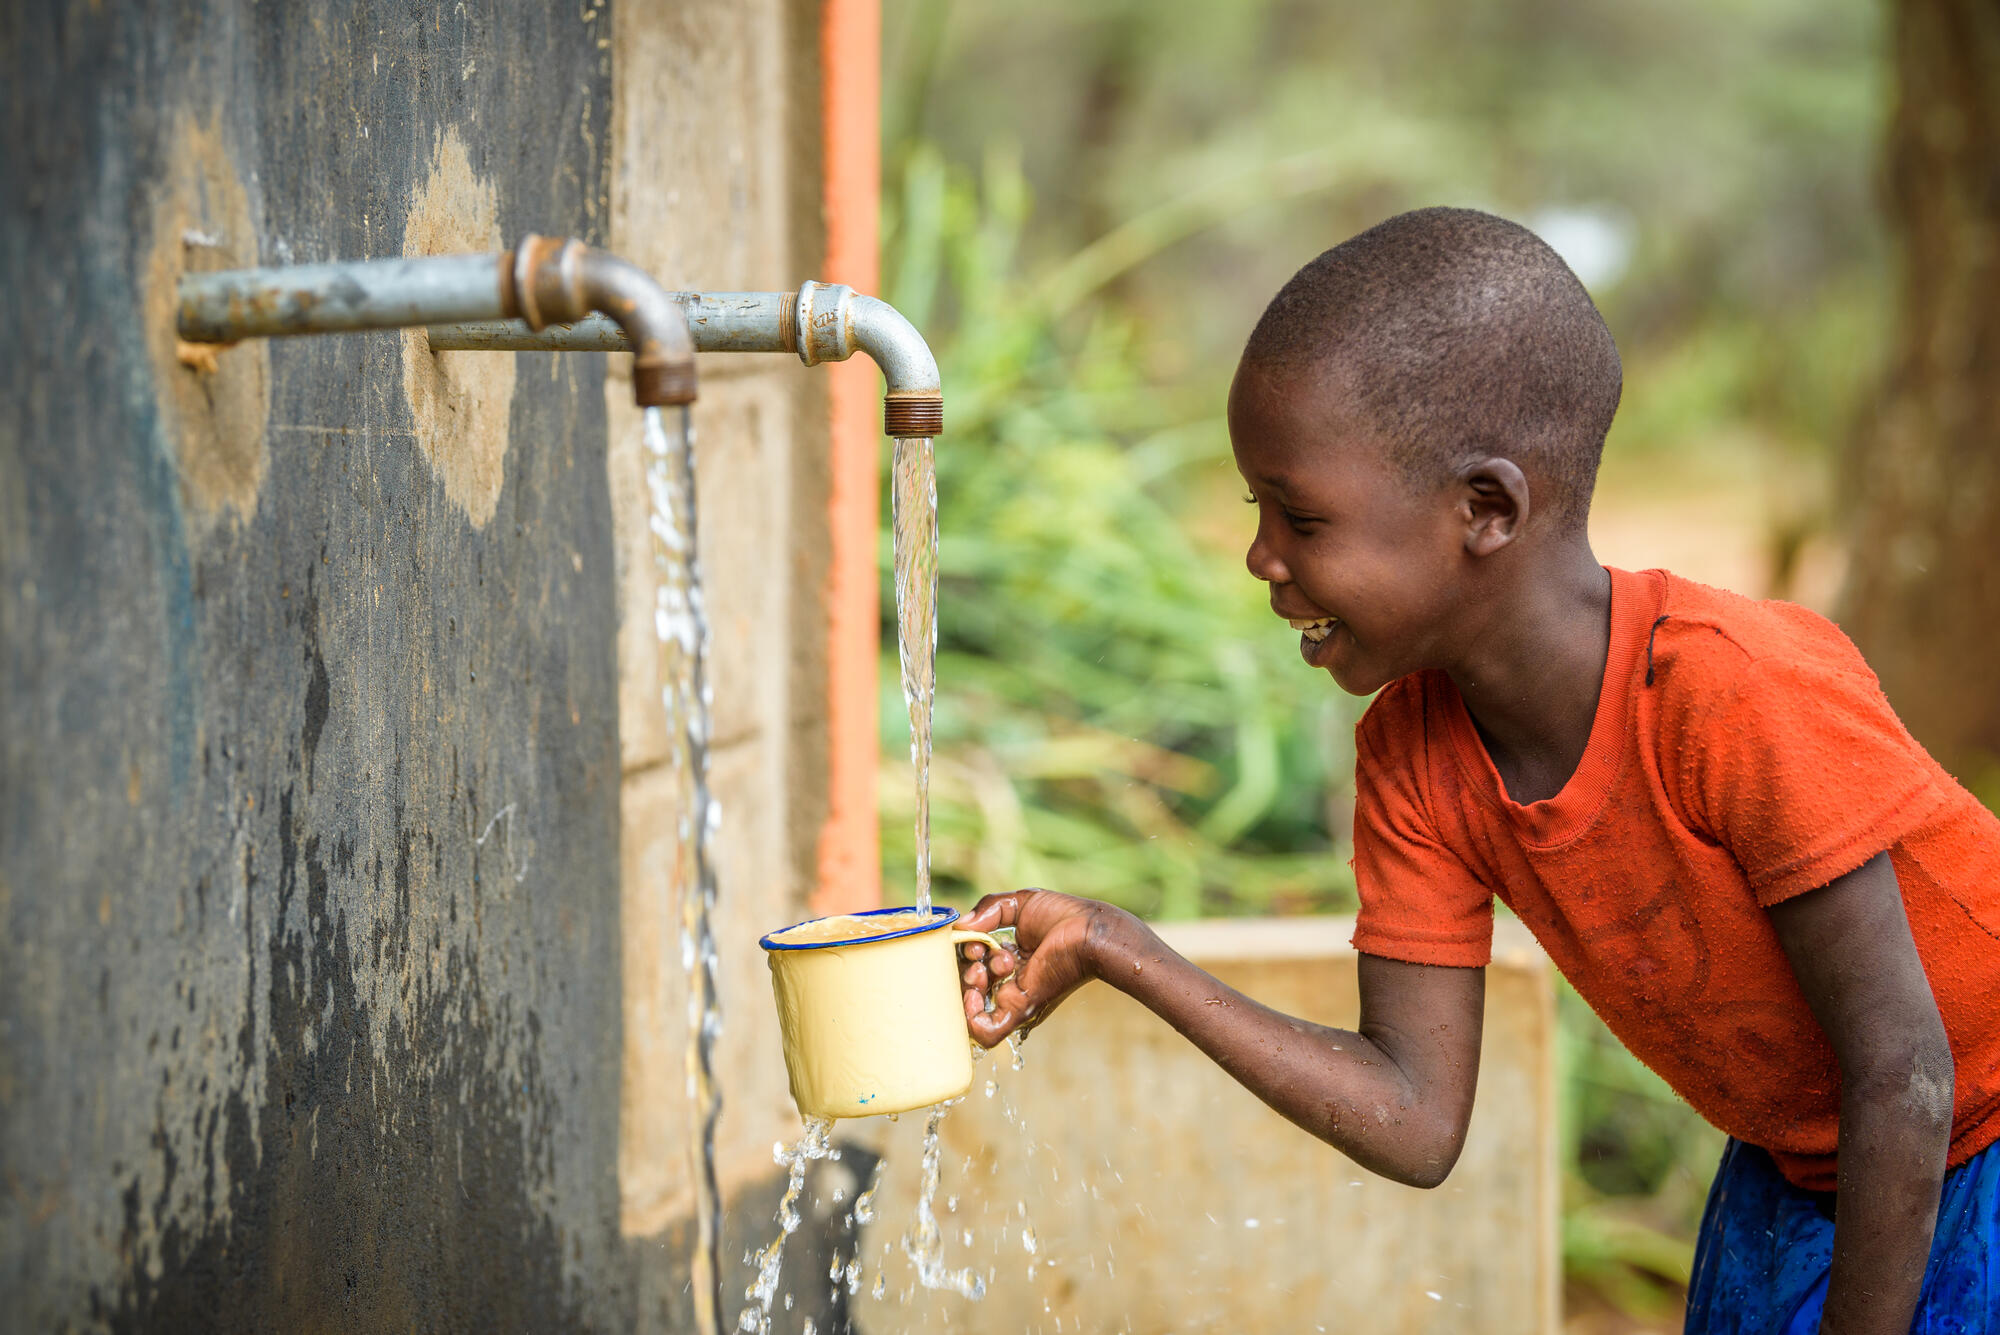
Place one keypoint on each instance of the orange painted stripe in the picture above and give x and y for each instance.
(850, 856)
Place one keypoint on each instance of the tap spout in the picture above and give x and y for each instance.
(821, 322)
(542, 280)
(834, 321)
(566, 281)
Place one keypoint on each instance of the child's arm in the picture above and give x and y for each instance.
(1850, 946)
(1395, 1096)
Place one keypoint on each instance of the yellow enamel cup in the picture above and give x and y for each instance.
(873, 1023)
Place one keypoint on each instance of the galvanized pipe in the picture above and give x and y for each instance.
(541, 280)
(717, 322)
(821, 322)
(340, 298)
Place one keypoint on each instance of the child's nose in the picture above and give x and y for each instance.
(1264, 561)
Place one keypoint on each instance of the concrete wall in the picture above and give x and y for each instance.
(1165, 1198)
(329, 977)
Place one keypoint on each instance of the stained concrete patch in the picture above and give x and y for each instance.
(213, 400)
(460, 400)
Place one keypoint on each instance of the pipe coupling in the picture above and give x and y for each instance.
(825, 322)
(548, 281)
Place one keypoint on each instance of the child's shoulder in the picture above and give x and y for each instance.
(1702, 636)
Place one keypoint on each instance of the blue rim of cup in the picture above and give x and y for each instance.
(941, 916)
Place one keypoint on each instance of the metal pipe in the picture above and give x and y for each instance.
(543, 279)
(821, 322)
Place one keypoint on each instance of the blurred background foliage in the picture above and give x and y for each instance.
(1087, 204)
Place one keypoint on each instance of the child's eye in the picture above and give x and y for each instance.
(1300, 523)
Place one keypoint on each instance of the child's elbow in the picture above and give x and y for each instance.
(1426, 1178)
(1917, 1077)
(1431, 1161)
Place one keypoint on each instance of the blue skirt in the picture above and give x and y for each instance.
(1761, 1265)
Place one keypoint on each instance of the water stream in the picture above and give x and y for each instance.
(681, 622)
(924, 1243)
(914, 502)
(817, 1143)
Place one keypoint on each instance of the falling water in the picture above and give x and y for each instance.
(817, 1143)
(914, 495)
(681, 622)
(924, 1243)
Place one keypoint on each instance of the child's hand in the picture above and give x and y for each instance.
(1054, 953)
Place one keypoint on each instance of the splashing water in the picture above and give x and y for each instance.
(680, 620)
(914, 497)
(924, 1244)
(864, 1204)
(816, 1143)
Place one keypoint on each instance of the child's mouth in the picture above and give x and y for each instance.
(1316, 630)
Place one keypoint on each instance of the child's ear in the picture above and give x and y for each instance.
(1492, 502)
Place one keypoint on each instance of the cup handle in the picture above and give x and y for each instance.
(959, 936)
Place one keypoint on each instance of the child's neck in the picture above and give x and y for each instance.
(1532, 675)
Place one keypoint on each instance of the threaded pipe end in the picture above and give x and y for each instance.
(788, 320)
(663, 384)
(904, 416)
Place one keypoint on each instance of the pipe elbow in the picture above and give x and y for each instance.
(834, 322)
(914, 404)
(564, 281)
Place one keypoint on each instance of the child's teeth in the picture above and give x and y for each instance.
(1315, 630)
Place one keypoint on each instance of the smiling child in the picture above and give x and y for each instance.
(1702, 806)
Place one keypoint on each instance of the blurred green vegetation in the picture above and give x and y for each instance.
(1118, 714)
(1087, 204)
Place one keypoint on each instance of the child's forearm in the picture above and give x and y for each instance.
(1850, 946)
(1895, 1130)
(1395, 1096)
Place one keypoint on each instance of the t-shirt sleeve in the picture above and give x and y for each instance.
(1420, 901)
(1802, 770)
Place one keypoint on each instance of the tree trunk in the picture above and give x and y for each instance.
(1923, 595)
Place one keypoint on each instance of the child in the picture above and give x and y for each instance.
(1702, 806)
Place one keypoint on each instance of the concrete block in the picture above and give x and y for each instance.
(755, 893)
(1165, 1197)
(653, 1104)
(742, 460)
(701, 193)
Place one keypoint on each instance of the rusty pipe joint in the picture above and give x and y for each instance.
(835, 321)
(562, 281)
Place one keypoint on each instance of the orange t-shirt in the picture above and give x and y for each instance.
(1742, 753)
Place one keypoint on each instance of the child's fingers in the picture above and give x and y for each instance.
(1011, 1009)
(1001, 910)
(982, 974)
(988, 1027)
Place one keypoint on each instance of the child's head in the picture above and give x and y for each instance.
(1418, 409)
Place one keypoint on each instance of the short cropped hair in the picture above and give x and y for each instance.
(1459, 334)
